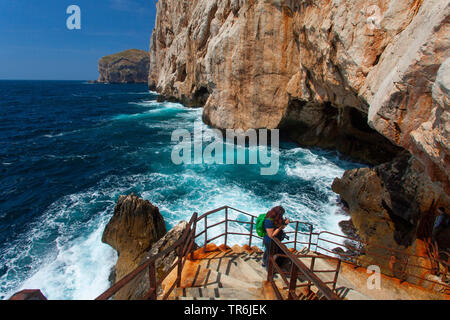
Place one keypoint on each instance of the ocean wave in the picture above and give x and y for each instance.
(158, 109)
(61, 134)
(61, 251)
(313, 173)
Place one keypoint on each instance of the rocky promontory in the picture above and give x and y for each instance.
(137, 232)
(132, 231)
(130, 66)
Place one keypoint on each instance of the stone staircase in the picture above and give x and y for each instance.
(223, 273)
(236, 273)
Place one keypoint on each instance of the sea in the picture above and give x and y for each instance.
(69, 149)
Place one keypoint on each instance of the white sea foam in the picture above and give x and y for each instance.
(64, 248)
(61, 134)
(155, 109)
(78, 270)
(66, 258)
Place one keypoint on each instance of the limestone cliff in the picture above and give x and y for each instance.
(130, 66)
(370, 78)
(331, 71)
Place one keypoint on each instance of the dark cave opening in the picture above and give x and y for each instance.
(200, 96)
(358, 120)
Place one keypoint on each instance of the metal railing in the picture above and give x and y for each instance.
(183, 246)
(299, 272)
(307, 277)
(393, 262)
(252, 228)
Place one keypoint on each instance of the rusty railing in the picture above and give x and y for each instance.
(299, 272)
(393, 262)
(182, 246)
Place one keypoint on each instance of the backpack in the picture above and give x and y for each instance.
(260, 230)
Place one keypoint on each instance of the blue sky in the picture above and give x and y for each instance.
(36, 44)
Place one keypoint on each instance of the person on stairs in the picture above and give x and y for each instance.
(274, 224)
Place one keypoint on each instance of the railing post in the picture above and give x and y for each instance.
(206, 233)
(251, 232)
(226, 226)
(181, 251)
(270, 267)
(310, 237)
(195, 226)
(313, 261)
(338, 268)
(152, 280)
(293, 282)
(296, 232)
(194, 232)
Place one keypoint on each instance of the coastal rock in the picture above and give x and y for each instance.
(135, 226)
(393, 206)
(130, 66)
(141, 285)
(348, 228)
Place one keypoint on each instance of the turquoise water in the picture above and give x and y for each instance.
(69, 149)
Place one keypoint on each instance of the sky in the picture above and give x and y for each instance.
(35, 43)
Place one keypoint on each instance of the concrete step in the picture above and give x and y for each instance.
(255, 263)
(344, 288)
(218, 294)
(194, 298)
(197, 275)
(233, 266)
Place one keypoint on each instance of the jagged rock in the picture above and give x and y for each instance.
(392, 207)
(348, 229)
(130, 66)
(135, 226)
(141, 285)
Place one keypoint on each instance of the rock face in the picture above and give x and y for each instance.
(135, 226)
(329, 71)
(394, 206)
(370, 78)
(130, 66)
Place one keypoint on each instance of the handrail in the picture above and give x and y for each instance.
(151, 261)
(310, 276)
(185, 246)
(376, 245)
(358, 260)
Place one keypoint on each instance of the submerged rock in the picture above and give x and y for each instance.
(130, 66)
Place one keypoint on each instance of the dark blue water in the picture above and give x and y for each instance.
(69, 149)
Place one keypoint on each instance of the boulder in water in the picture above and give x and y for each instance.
(134, 228)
